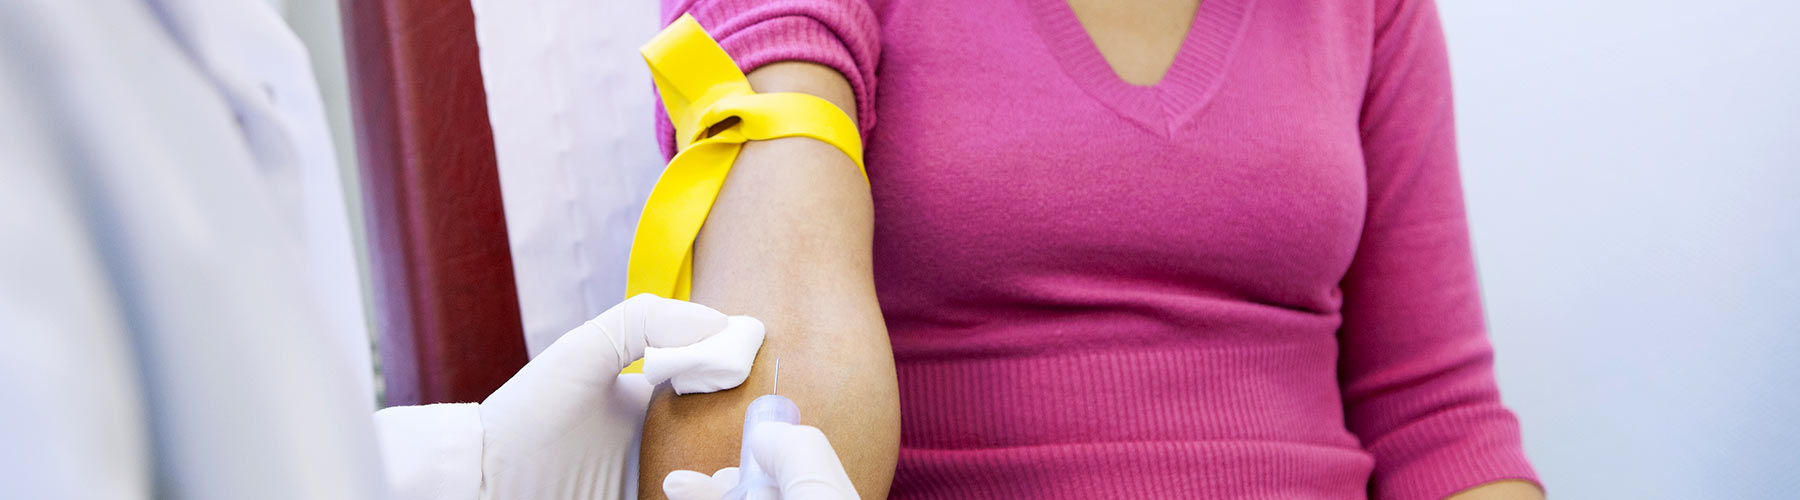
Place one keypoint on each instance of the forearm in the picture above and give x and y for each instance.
(1501, 490)
(788, 241)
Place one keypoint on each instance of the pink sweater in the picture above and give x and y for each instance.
(1251, 280)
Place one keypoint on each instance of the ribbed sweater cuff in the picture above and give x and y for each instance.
(800, 38)
(843, 36)
(1451, 451)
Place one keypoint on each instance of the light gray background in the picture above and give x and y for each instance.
(1633, 179)
(1633, 175)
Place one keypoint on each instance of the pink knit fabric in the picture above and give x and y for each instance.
(1251, 280)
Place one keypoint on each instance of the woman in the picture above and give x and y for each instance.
(1157, 249)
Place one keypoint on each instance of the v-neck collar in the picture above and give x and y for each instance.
(1198, 69)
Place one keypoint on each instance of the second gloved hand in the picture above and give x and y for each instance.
(797, 457)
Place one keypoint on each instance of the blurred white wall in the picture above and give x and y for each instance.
(1633, 175)
(570, 104)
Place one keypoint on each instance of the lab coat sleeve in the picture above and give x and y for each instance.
(73, 427)
(432, 451)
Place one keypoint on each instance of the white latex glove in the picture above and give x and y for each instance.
(567, 426)
(798, 457)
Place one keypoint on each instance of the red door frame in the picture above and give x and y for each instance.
(446, 306)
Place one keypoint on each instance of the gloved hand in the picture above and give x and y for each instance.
(798, 457)
(568, 424)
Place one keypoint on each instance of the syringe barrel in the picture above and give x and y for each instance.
(753, 483)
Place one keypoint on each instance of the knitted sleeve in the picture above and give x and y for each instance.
(841, 34)
(1416, 368)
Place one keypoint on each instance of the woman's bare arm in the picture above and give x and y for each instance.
(1511, 489)
(788, 241)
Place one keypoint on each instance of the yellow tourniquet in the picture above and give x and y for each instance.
(703, 90)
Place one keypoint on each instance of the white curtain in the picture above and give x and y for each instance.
(570, 104)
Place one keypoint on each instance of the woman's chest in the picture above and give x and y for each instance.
(997, 155)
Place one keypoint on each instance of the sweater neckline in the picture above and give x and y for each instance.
(1190, 82)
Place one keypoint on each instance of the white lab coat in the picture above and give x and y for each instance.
(178, 317)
